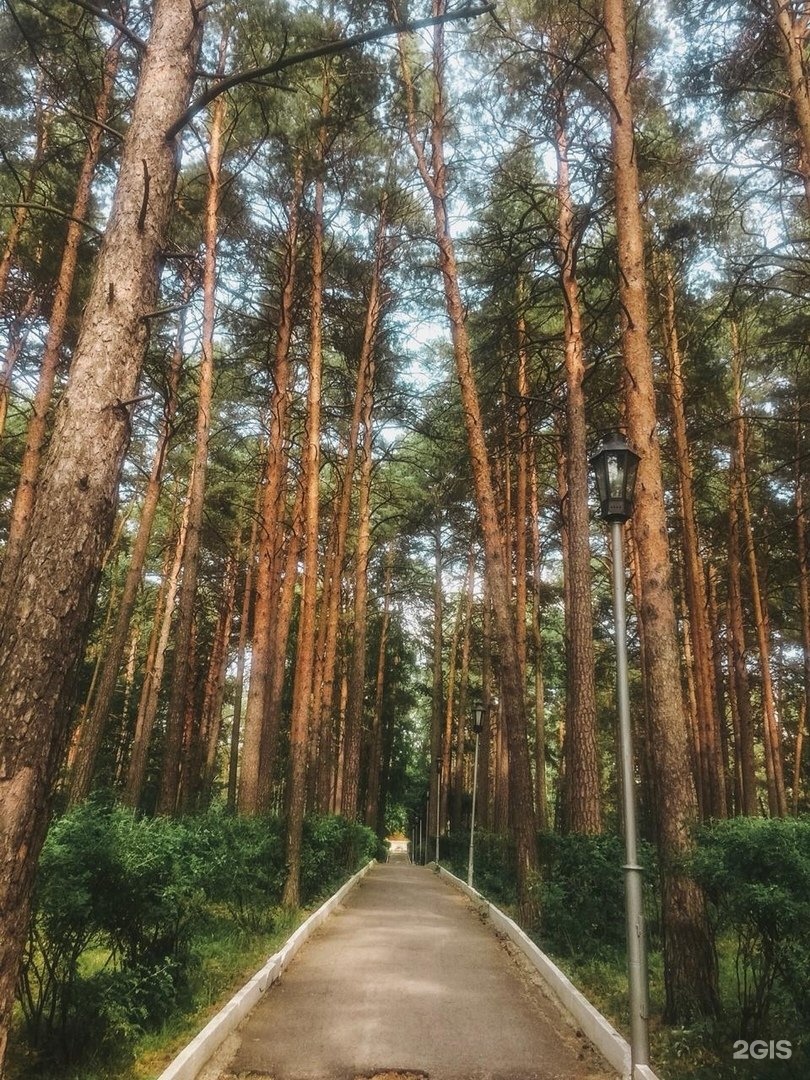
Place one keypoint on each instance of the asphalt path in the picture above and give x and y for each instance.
(407, 981)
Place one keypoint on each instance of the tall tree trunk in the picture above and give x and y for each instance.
(270, 517)
(774, 770)
(484, 814)
(449, 712)
(333, 576)
(282, 620)
(690, 968)
(582, 811)
(373, 802)
(156, 660)
(434, 176)
(36, 434)
(92, 728)
(357, 667)
(172, 752)
(215, 684)
(537, 641)
(17, 337)
(462, 714)
(738, 669)
(707, 714)
(792, 34)
(42, 627)
(42, 126)
(301, 715)
(239, 681)
(804, 601)
(436, 700)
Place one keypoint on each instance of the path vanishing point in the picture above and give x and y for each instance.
(406, 981)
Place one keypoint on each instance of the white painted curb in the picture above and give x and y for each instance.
(201, 1048)
(613, 1047)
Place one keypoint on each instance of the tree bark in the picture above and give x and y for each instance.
(774, 770)
(374, 805)
(436, 700)
(791, 36)
(43, 626)
(707, 713)
(36, 434)
(462, 714)
(215, 683)
(541, 801)
(153, 677)
(582, 810)
(239, 681)
(270, 517)
(172, 751)
(92, 728)
(301, 715)
(690, 968)
(804, 604)
(357, 666)
(333, 576)
(17, 337)
(434, 176)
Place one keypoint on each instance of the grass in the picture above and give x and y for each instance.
(223, 959)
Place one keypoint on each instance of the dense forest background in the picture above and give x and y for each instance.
(294, 443)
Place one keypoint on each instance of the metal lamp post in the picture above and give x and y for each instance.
(478, 724)
(438, 804)
(615, 467)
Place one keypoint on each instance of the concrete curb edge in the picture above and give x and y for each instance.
(202, 1047)
(613, 1047)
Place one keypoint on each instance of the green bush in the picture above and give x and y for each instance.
(495, 869)
(331, 847)
(756, 873)
(582, 893)
(120, 901)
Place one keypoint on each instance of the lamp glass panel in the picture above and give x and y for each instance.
(632, 469)
(616, 475)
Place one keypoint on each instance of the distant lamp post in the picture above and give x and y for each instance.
(438, 804)
(615, 467)
(478, 725)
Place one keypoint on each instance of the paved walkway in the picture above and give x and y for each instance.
(407, 982)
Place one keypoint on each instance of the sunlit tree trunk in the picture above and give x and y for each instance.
(357, 666)
(172, 750)
(434, 176)
(42, 628)
(436, 701)
(792, 35)
(326, 656)
(582, 810)
(374, 805)
(42, 126)
(239, 680)
(774, 771)
(690, 969)
(155, 664)
(301, 715)
(737, 650)
(707, 717)
(214, 698)
(270, 516)
(36, 434)
(92, 728)
(463, 712)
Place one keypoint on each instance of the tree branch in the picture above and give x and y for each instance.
(330, 49)
(105, 16)
(51, 210)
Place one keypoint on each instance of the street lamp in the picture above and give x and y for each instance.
(438, 804)
(615, 467)
(478, 724)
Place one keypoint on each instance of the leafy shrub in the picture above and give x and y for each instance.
(582, 892)
(331, 847)
(239, 864)
(495, 870)
(756, 873)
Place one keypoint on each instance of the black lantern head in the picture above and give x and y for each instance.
(615, 467)
(478, 718)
